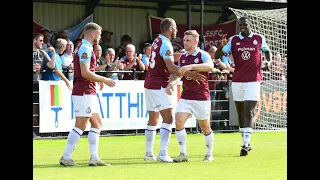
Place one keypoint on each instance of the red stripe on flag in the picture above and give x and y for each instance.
(52, 94)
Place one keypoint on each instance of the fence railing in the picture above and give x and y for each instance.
(219, 110)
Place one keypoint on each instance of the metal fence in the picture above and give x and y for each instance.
(219, 111)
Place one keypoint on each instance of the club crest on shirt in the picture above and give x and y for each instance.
(238, 43)
(183, 61)
(196, 60)
(84, 56)
(168, 53)
(255, 42)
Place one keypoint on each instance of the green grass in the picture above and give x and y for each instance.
(267, 160)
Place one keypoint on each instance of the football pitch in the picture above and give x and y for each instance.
(267, 160)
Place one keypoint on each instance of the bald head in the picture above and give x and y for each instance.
(212, 51)
(168, 28)
(97, 50)
(166, 23)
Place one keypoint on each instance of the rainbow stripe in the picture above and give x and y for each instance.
(56, 95)
(179, 91)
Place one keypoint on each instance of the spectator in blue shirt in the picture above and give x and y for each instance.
(56, 73)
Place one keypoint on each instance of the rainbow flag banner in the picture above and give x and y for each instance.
(179, 91)
(56, 95)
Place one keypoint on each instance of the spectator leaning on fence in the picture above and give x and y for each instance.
(101, 63)
(121, 50)
(113, 66)
(40, 58)
(67, 60)
(145, 60)
(131, 62)
(213, 77)
(55, 74)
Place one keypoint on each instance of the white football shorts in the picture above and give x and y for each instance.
(85, 105)
(200, 109)
(245, 91)
(157, 99)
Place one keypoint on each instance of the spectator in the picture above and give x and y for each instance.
(100, 63)
(56, 74)
(113, 66)
(214, 77)
(121, 50)
(131, 62)
(40, 58)
(145, 60)
(62, 34)
(105, 41)
(46, 40)
(276, 67)
(217, 85)
(67, 59)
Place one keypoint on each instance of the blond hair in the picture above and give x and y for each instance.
(92, 26)
(193, 33)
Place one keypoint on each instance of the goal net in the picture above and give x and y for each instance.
(271, 111)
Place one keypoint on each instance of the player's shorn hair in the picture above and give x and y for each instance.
(193, 33)
(165, 24)
(92, 26)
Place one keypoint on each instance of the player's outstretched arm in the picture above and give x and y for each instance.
(267, 64)
(268, 55)
(172, 68)
(173, 81)
(175, 69)
(215, 70)
(63, 77)
(265, 48)
(91, 76)
(206, 66)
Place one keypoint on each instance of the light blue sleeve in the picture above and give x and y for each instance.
(264, 45)
(145, 60)
(227, 48)
(205, 56)
(50, 55)
(225, 60)
(166, 50)
(84, 54)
